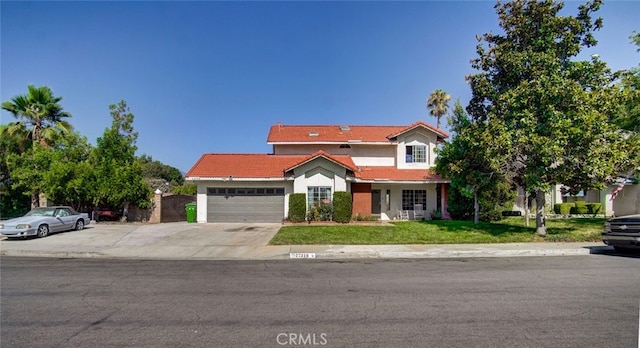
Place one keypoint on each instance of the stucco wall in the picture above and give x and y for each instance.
(362, 155)
(320, 172)
(416, 137)
(395, 199)
(627, 202)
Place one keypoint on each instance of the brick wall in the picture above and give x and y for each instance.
(361, 199)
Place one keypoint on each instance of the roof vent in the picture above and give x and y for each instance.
(313, 134)
(345, 128)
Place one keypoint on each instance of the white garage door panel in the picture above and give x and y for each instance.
(245, 208)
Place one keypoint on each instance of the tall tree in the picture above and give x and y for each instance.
(40, 114)
(153, 169)
(473, 167)
(438, 104)
(70, 179)
(554, 110)
(40, 123)
(118, 172)
(628, 114)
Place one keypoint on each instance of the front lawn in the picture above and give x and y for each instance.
(511, 230)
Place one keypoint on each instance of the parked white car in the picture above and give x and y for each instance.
(43, 221)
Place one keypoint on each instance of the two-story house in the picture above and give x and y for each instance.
(387, 169)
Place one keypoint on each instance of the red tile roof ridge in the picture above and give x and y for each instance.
(424, 124)
(334, 158)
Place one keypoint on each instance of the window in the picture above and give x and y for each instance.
(412, 197)
(245, 191)
(416, 154)
(317, 195)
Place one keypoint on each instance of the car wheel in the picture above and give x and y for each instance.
(43, 231)
(79, 225)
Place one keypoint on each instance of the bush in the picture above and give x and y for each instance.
(342, 207)
(580, 208)
(563, 208)
(322, 212)
(297, 207)
(594, 208)
(359, 217)
(492, 203)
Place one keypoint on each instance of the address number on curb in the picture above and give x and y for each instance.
(302, 255)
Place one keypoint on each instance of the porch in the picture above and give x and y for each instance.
(400, 201)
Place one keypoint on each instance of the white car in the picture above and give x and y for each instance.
(43, 221)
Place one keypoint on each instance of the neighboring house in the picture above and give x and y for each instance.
(387, 169)
(625, 202)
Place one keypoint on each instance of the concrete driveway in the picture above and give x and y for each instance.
(249, 241)
(178, 240)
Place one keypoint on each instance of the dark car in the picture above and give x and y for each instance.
(622, 233)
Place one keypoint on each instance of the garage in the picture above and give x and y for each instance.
(245, 204)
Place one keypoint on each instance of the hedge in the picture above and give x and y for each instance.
(563, 208)
(297, 207)
(342, 207)
(594, 208)
(580, 208)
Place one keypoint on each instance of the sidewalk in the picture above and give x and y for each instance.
(182, 241)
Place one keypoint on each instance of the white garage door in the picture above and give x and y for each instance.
(244, 204)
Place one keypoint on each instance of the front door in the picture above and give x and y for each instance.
(375, 202)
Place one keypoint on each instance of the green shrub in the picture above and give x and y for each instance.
(594, 208)
(563, 208)
(322, 212)
(359, 217)
(297, 207)
(342, 207)
(580, 208)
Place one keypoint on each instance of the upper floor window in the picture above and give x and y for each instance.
(416, 154)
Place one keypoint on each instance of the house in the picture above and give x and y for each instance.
(625, 200)
(387, 169)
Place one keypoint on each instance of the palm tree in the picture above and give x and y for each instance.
(437, 103)
(40, 122)
(40, 114)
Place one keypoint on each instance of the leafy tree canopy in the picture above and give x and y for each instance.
(552, 112)
(157, 170)
(119, 173)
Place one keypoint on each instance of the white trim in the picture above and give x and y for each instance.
(198, 178)
(359, 142)
(388, 181)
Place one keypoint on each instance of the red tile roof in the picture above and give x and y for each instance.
(266, 166)
(438, 131)
(257, 166)
(343, 160)
(372, 173)
(336, 134)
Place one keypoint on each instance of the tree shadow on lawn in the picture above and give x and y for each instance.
(493, 229)
(555, 228)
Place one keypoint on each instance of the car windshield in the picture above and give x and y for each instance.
(41, 212)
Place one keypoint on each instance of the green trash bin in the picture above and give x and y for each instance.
(191, 211)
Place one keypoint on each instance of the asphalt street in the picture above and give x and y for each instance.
(570, 301)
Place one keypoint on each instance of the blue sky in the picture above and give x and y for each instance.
(210, 76)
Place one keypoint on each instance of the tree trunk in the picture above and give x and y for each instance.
(526, 208)
(35, 199)
(125, 213)
(476, 208)
(541, 227)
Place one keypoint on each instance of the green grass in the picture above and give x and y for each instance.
(511, 230)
